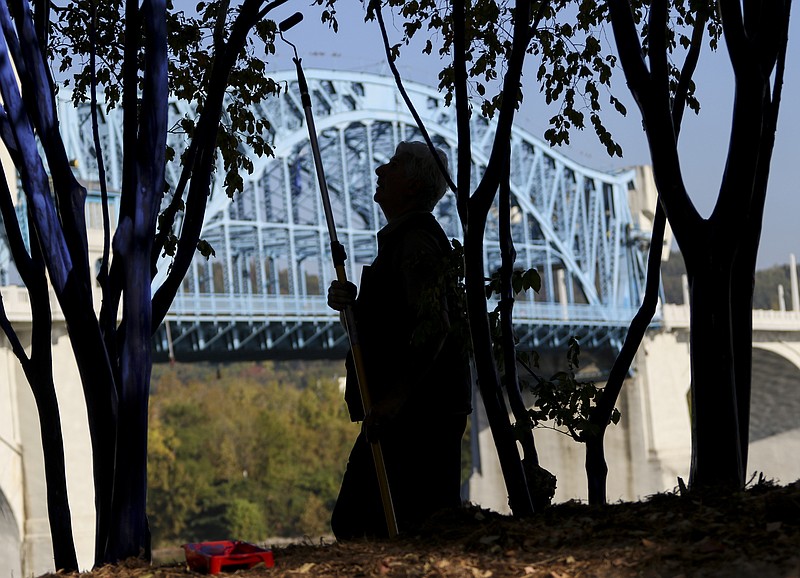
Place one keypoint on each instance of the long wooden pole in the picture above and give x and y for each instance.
(339, 256)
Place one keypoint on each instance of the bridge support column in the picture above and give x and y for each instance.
(646, 451)
(10, 562)
(486, 486)
(12, 503)
(35, 548)
(663, 369)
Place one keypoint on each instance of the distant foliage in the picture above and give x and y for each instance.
(245, 451)
(671, 272)
(765, 295)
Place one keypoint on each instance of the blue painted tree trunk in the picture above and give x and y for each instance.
(113, 358)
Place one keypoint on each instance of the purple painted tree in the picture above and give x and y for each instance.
(113, 350)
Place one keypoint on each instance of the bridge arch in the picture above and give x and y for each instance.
(571, 222)
(10, 543)
(788, 351)
(775, 397)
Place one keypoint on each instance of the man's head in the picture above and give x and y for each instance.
(411, 180)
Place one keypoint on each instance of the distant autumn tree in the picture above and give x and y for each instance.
(136, 53)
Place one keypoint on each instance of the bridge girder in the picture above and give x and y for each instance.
(268, 281)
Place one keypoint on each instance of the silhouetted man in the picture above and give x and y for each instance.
(416, 366)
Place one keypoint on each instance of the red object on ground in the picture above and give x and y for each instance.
(212, 557)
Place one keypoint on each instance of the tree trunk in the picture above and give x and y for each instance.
(58, 511)
(99, 386)
(742, 311)
(716, 441)
(39, 373)
(541, 484)
(596, 467)
(488, 378)
(129, 535)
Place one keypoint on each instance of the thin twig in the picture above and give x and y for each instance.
(378, 13)
(102, 275)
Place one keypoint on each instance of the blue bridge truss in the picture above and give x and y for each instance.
(263, 294)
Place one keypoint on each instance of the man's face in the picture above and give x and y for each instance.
(395, 192)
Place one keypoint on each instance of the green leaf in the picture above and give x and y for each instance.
(206, 249)
(532, 279)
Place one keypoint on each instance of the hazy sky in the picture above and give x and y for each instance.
(704, 138)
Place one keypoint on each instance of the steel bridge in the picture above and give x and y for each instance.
(263, 294)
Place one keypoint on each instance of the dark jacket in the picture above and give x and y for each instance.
(406, 323)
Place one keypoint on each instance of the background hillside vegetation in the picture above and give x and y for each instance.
(765, 295)
(257, 450)
(245, 451)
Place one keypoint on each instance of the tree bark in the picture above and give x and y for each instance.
(473, 211)
(596, 467)
(716, 443)
(488, 378)
(58, 510)
(719, 251)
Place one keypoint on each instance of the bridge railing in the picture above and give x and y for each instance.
(237, 307)
(531, 313)
(768, 320)
(17, 303)
(677, 316)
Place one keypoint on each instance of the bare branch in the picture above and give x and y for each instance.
(205, 135)
(464, 162)
(102, 275)
(689, 66)
(40, 102)
(42, 22)
(736, 39)
(657, 52)
(770, 127)
(501, 147)
(657, 117)
(168, 215)
(12, 337)
(269, 8)
(376, 5)
(630, 49)
(35, 180)
(600, 415)
(219, 25)
(517, 404)
(21, 259)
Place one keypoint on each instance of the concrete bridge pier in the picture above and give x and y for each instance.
(651, 446)
(10, 563)
(25, 542)
(642, 459)
(12, 507)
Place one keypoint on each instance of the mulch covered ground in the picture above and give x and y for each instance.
(749, 534)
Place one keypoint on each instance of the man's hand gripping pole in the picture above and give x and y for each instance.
(339, 256)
